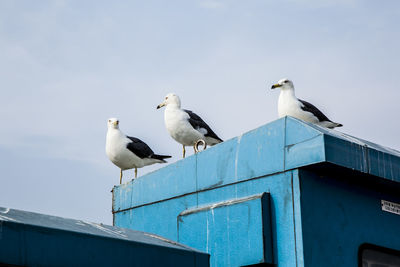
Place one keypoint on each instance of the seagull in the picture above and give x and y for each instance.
(185, 126)
(128, 152)
(289, 105)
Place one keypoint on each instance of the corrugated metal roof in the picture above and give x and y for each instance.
(84, 227)
(32, 239)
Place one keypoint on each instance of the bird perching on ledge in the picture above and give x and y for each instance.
(185, 126)
(128, 152)
(290, 105)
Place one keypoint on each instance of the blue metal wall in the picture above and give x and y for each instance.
(208, 198)
(163, 218)
(342, 211)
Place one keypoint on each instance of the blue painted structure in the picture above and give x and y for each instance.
(289, 193)
(32, 239)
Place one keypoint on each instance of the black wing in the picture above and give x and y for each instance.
(311, 108)
(139, 148)
(198, 122)
(142, 150)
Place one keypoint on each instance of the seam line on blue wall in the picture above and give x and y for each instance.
(200, 191)
(324, 146)
(197, 184)
(294, 219)
(207, 189)
(284, 145)
(303, 141)
(112, 207)
(366, 159)
(221, 186)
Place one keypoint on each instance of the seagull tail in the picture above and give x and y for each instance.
(161, 157)
(334, 125)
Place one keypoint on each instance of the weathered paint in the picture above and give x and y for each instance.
(265, 160)
(224, 228)
(162, 217)
(282, 145)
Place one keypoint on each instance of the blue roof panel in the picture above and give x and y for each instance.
(281, 145)
(67, 242)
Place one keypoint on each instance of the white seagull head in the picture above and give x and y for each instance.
(171, 99)
(113, 123)
(284, 84)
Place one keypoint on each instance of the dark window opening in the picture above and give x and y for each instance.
(375, 256)
(260, 265)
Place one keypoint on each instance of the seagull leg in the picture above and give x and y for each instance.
(135, 172)
(184, 151)
(120, 177)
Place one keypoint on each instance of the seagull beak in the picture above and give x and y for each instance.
(276, 86)
(161, 105)
(115, 123)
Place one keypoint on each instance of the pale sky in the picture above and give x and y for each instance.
(68, 66)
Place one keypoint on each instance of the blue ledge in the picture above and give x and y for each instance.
(278, 146)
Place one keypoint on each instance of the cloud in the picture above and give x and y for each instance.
(67, 67)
